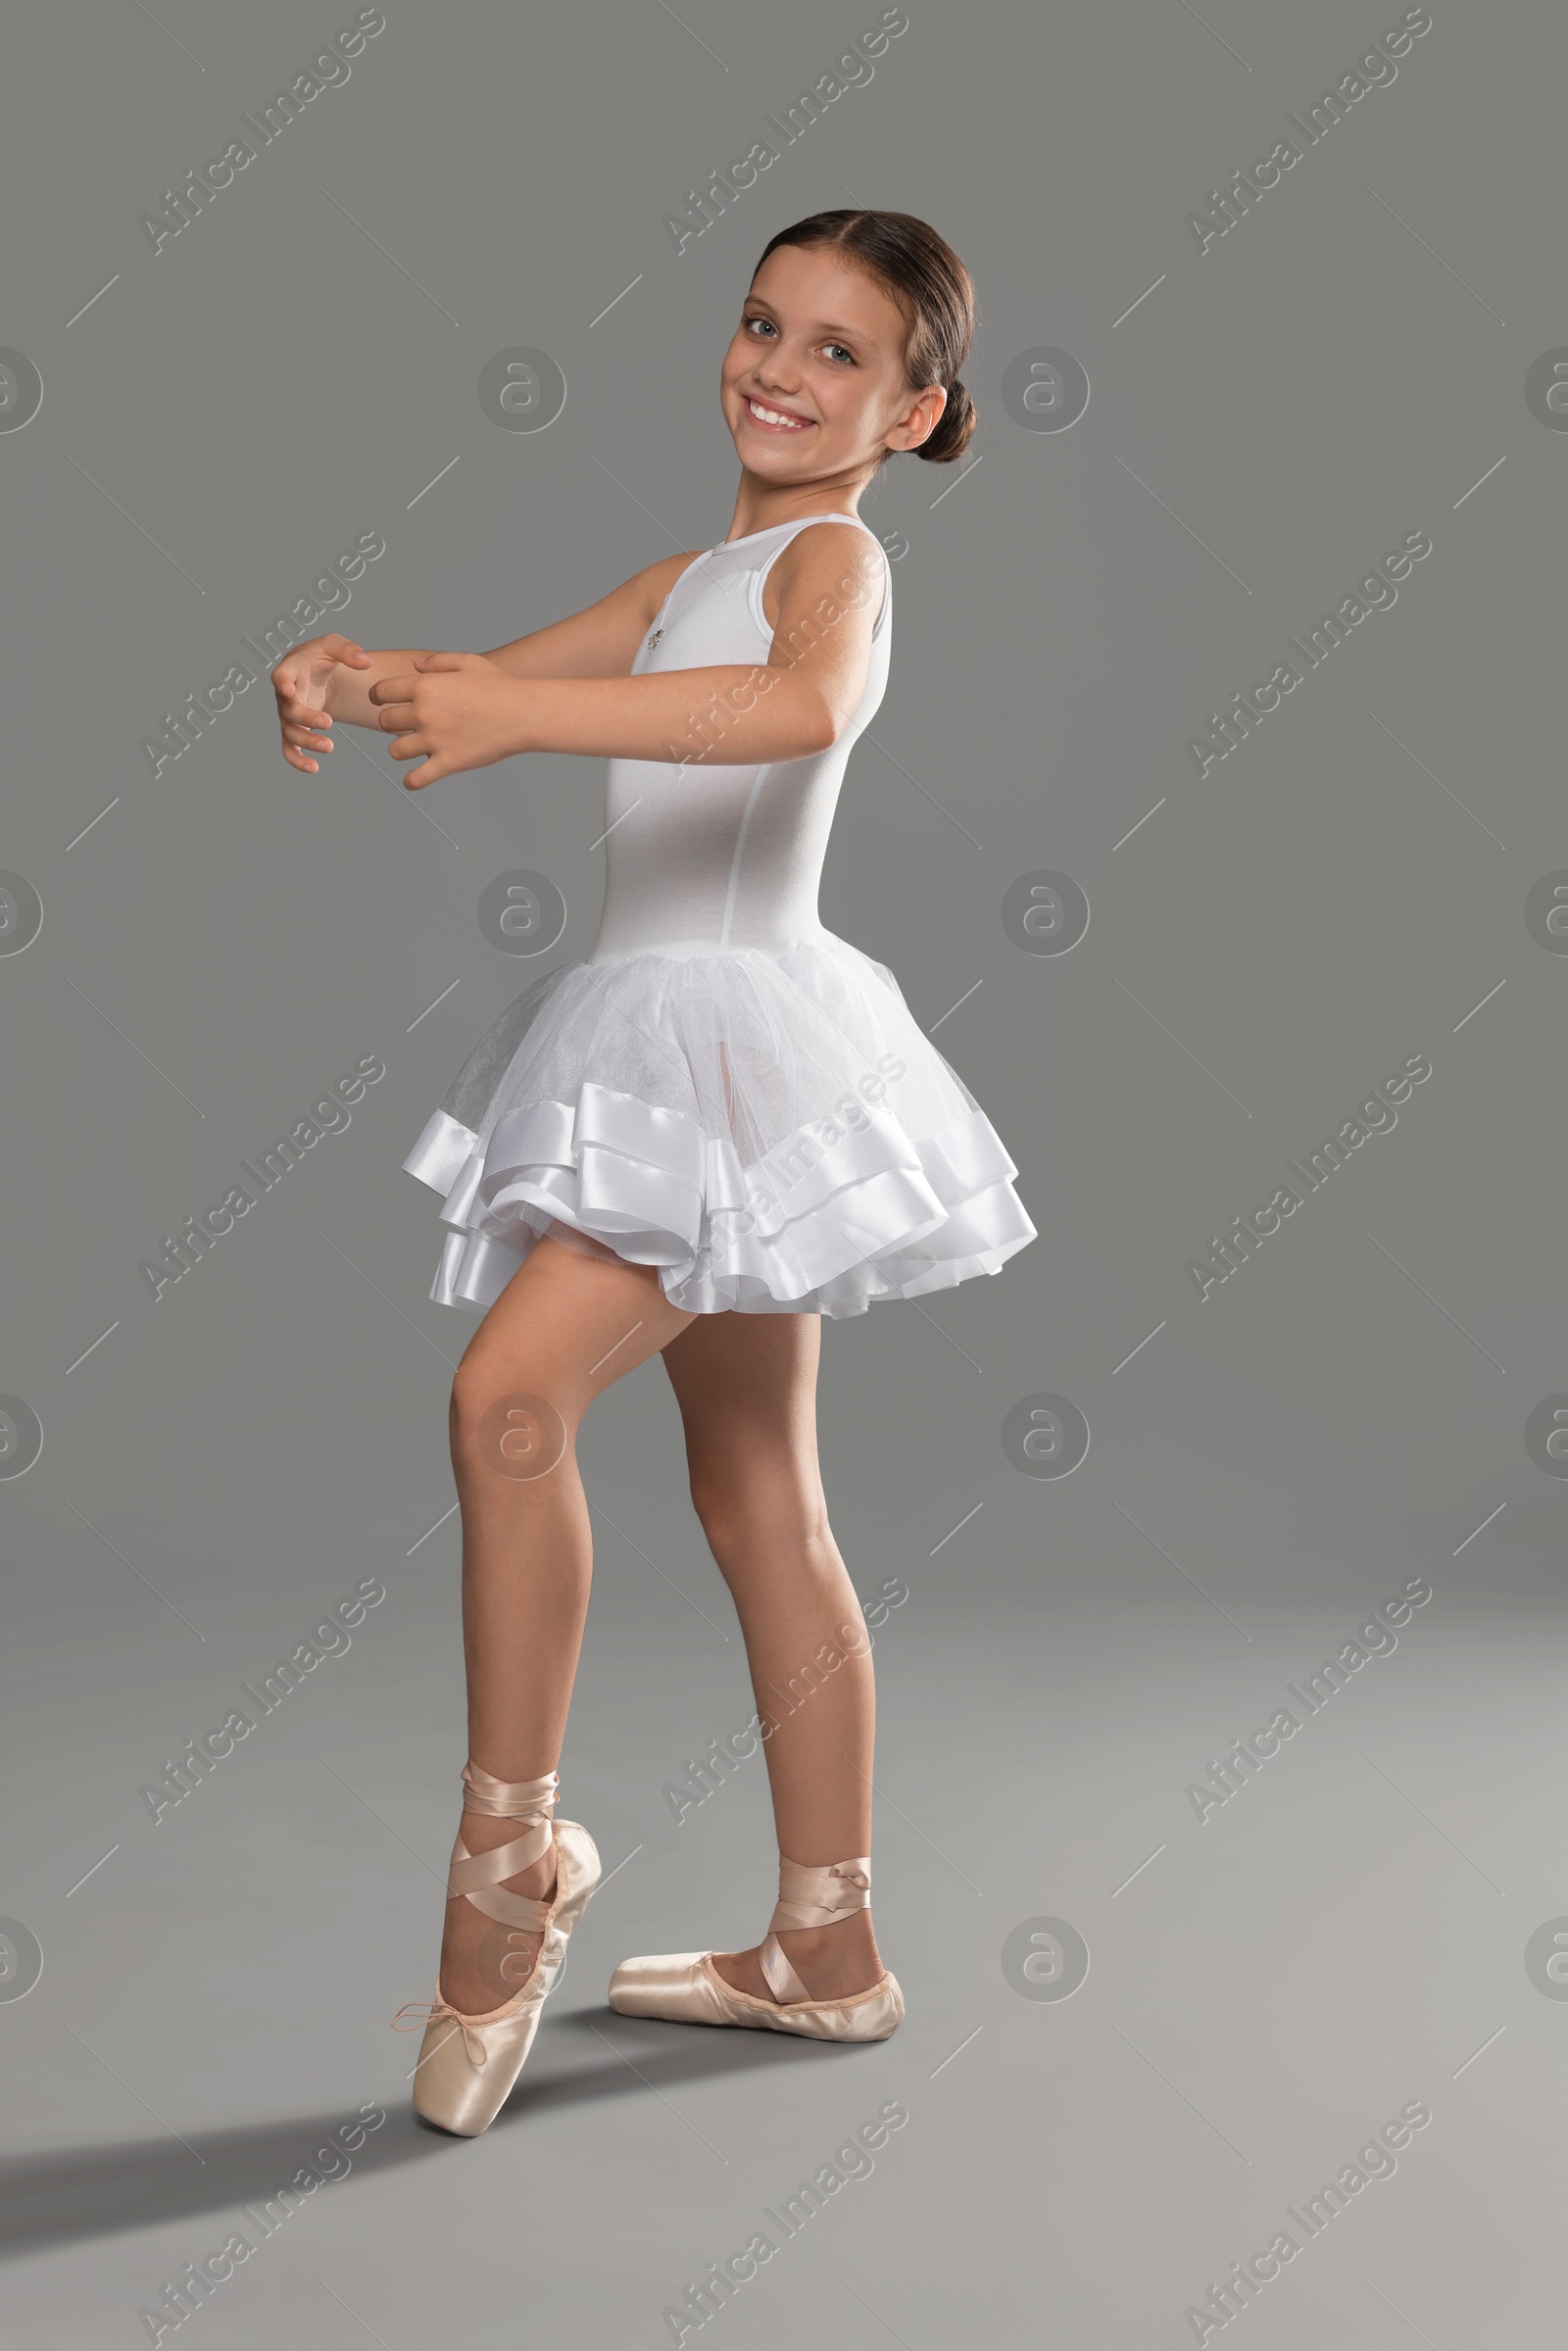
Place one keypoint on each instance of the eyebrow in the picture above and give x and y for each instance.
(825, 327)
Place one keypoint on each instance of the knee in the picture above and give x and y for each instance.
(718, 1511)
(774, 1511)
(513, 1414)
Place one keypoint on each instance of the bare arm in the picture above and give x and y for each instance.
(329, 678)
(454, 711)
(602, 640)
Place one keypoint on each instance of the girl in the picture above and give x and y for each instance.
(722, 1126)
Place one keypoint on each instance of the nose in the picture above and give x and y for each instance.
(774, 372)
(778, 384)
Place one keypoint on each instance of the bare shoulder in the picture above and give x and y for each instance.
(839, 561)
(657, 581)
(642, 595)
(602, 640)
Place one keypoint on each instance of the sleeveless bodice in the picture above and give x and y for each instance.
(706, 858)
(724, 1090)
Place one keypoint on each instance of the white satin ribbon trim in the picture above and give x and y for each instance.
(850, 1223)
(440, 1151)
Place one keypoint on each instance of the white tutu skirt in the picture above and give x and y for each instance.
(767, 1126)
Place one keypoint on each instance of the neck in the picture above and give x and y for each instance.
(761, 505)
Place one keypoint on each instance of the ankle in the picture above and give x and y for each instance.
(482, 1835)
(834, 1962)
(851, 1933)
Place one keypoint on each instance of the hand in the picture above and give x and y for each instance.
(302, 682)
(458, 710)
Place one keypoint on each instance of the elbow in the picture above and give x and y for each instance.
(828, 726)
(808, 721)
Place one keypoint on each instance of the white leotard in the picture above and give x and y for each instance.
(722, 1089)
(704, 857)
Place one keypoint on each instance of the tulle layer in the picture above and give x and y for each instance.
(768, 1127)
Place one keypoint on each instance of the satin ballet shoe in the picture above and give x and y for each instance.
(684, 1987)
(468, 2064)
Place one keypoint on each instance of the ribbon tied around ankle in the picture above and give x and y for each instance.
(477, 1876)
(810, 1898)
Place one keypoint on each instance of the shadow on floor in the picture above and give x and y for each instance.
(76, 2193)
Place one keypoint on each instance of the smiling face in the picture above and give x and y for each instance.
(814, 386)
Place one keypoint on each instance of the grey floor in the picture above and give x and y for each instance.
(1266, 1989)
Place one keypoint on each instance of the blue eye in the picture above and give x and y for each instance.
(848, 355)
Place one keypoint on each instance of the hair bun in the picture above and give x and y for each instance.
(953, 429)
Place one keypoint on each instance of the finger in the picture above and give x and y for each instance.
(344, 649)
(396, 718)
(442, 661)
(298, 714)
(297, 759)
(391, 689)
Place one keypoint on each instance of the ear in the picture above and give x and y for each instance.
(921, 421)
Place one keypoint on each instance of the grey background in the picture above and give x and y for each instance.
(1349, 1932)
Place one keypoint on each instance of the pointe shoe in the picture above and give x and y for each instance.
(468, 2064)
(684, 1987)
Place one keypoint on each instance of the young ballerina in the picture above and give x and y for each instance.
(723, 1125)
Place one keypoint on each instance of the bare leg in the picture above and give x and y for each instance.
(746, 1388)
(564, 1329)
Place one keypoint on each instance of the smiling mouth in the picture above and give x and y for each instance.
(772, 420)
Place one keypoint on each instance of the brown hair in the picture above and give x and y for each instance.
(921, 273)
